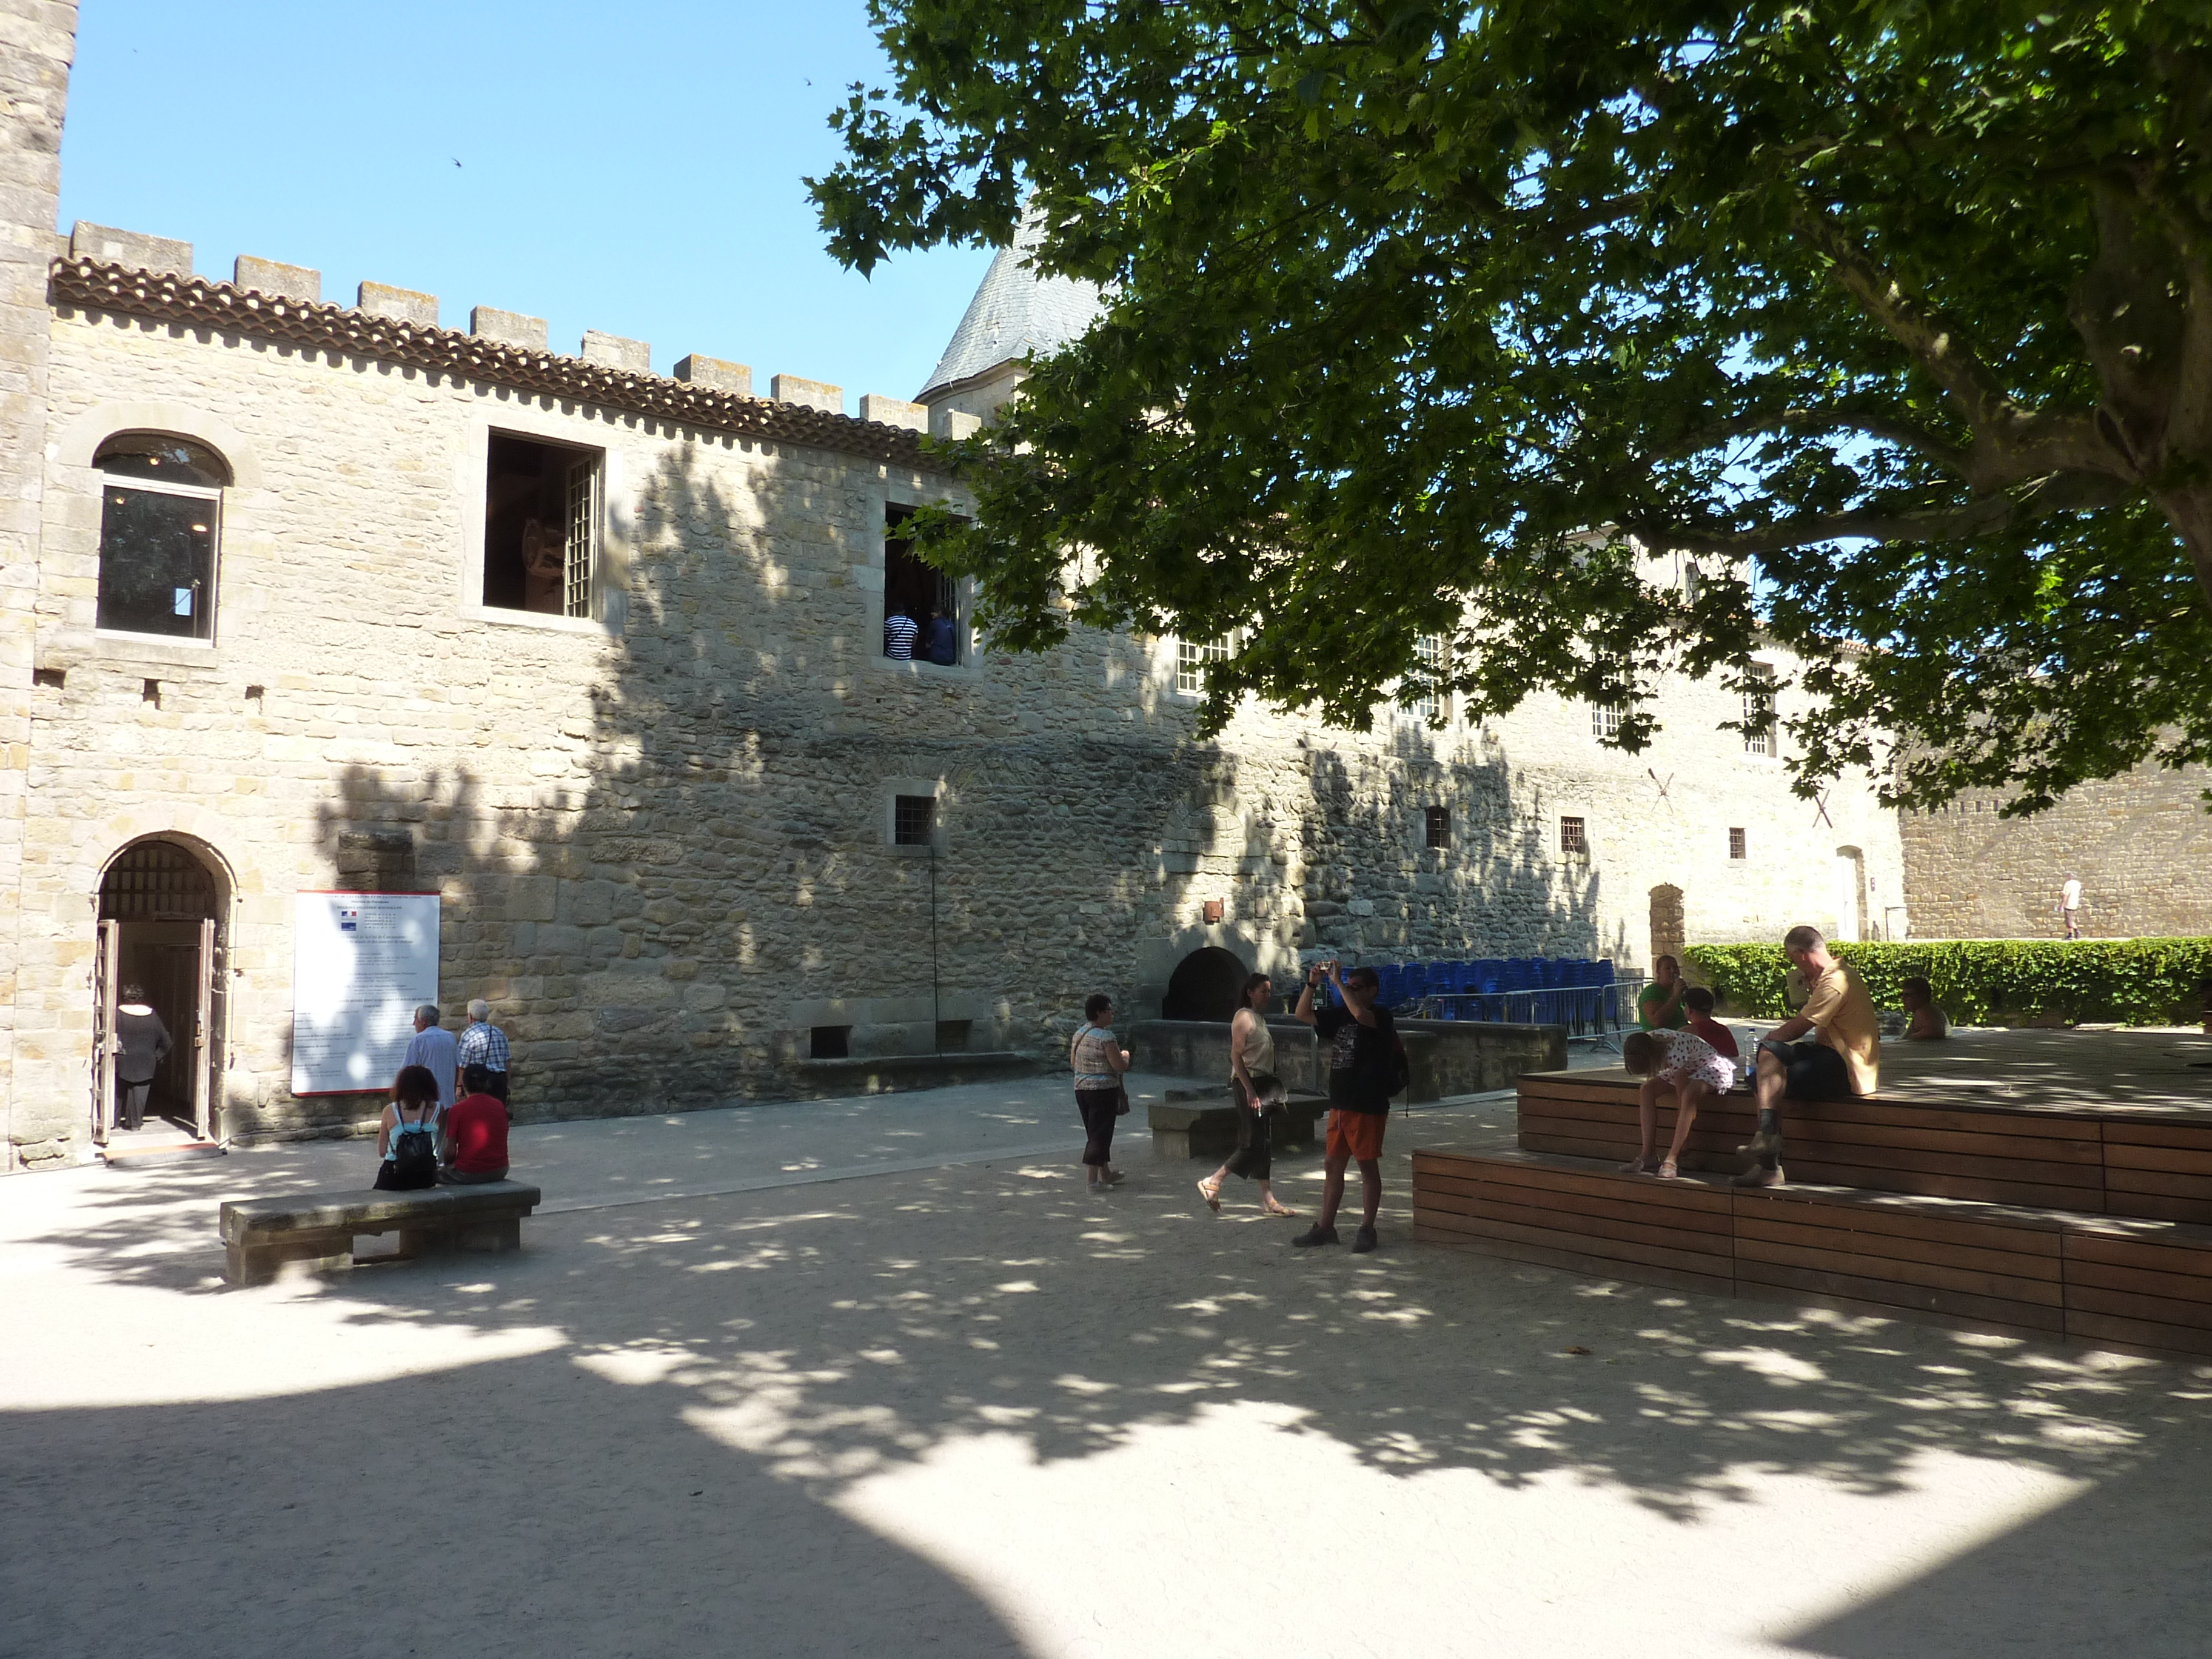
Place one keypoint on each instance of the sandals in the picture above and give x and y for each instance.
(1212, 1195)
(1278, 1209)
(1668, 1171)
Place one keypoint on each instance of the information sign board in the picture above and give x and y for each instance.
(361, 965)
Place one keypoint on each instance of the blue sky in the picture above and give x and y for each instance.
(634, 169)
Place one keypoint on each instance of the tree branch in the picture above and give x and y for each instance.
(2061, 493)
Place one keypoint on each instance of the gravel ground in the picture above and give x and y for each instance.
(877, 1376)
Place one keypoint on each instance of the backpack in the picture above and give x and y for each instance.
(415, 1154)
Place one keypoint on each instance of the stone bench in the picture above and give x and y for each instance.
(1202, 1123)
(314, 1233)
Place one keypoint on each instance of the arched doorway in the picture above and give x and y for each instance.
(162, 906)
(1204, 985)
(1669, 925)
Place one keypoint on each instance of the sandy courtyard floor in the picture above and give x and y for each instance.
(869, 1377)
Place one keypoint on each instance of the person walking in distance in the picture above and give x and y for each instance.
(1364, 1068)
(1254, 1087)
(2070, 905)
(1098, 1062)
(483, 1043)
(1842, 1058)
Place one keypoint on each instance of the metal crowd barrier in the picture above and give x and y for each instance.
(1598, 1013)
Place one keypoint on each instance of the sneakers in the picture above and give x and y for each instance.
(1363, 1240)
(1315, 1234)
(1763, 1174)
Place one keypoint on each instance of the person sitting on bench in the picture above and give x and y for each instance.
(1699, 1001)
(1843, 1058)
(476, 1133)
(1684, 1062)
(1929, 1021)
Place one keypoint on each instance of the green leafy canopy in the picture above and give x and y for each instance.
(1421, 319)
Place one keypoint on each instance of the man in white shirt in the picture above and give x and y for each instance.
(432, 1046)
(2069, 906)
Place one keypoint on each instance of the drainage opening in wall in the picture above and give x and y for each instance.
(830, 1042)
(952, 1035)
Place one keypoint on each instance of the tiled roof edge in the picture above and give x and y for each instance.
(169, 297)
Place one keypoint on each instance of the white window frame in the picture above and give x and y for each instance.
(1433, 653)
(1762, 740)
(1605, 720)
(212, 495)
(1192, 657)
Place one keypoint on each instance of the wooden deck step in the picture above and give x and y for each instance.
(2035, 1271)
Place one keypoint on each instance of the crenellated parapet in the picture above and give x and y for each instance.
(130, 274)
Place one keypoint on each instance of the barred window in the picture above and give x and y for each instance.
(541, 525)
(1758, 733)
(1439, 827)
(1192, 657)
(1738, 848)
(1573, 837)
(913, 819)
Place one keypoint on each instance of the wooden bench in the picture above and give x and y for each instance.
(2127, 1162)
(314, 1233)
(2130, 1281)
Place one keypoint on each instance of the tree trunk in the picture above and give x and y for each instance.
(2190, 511)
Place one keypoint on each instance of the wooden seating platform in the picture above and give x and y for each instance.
(314, 1233)
(2135, 1160)
(2133, 1282)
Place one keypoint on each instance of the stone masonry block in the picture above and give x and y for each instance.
(951, 423)
(510, 326)
(403, 304)
(894, 411)
(615, 352)
(531, 898)
(808, 394)
(130, 247)
(269, 276)
(715, 374)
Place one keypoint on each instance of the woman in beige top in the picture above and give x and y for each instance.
(1253, 1085)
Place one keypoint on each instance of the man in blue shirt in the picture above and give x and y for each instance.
(432, 1047)
(942, 644)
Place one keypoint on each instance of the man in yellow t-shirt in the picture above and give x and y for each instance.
(1843, 1058)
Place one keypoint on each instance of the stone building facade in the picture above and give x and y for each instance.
(696, 836)
(2141, 846)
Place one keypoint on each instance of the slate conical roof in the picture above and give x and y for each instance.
(1018, 311)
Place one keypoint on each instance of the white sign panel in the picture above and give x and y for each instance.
(361, 963)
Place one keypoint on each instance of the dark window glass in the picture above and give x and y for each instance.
(161, 457)
(157, 561)
(1572, 836)
(923, 596)
(541, 522)
(912, 816)
(1439, 826)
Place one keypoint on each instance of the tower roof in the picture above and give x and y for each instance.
(1018, 311)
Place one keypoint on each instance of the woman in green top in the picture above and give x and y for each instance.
(1660, 1006)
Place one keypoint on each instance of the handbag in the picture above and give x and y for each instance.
(1120, 1101)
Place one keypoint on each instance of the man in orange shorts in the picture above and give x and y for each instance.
(1363, 1075)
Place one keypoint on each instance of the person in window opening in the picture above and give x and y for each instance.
(142, 1043)
(544, 568)
(1257, 1093)
(1926, 1021)
(476, 1133)
(1363, 1075)
(1660, 1006)
(407, 1146)
(1098, 1061)
(899, 636)
(941, 643)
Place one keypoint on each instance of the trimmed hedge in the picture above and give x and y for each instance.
(2130, 982)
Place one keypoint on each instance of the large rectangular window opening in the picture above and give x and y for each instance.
(541, 526)
(921, 604)
(161, 507)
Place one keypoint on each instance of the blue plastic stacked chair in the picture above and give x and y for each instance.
(1390, 984)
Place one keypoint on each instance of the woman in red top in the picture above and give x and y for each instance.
(476, 1134)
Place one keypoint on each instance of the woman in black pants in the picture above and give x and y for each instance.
(1254, 1086)
(1098, 1062)
(142, 1043)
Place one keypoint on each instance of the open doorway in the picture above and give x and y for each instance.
(161, 947)
(1850, 895)
(1208, 984)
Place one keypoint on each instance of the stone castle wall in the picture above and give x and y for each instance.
(2141, 844)
(663, 838)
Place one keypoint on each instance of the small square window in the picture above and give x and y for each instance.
(913, 818)
(1573, 837)
(1439, 827)
(1192, 657)
(1737, 846)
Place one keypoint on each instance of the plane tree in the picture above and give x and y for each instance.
(1893, 320)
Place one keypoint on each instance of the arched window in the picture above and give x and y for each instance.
(161, 522)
